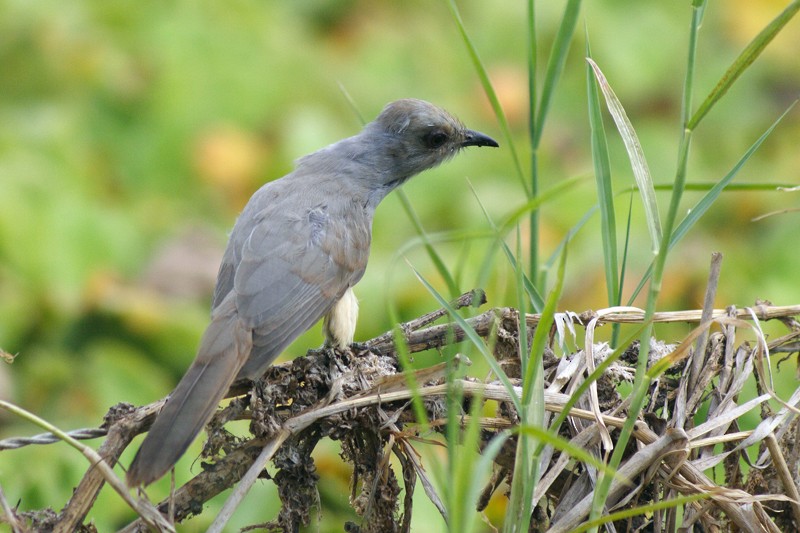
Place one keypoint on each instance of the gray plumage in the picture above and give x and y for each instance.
(298, 247)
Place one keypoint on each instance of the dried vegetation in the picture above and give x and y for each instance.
(362, 399)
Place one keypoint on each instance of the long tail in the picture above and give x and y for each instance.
(223, 351)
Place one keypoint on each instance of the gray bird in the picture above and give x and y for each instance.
(295, 253)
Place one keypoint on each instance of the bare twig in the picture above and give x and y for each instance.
(708, 306)
(10, 517)
(356, 389)
(152, 517)
(785, 476)
(49, 438)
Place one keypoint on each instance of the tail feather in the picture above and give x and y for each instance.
(224, 349)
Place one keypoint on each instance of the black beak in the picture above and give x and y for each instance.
(476, 138)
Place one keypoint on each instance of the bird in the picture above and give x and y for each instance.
(296, 250)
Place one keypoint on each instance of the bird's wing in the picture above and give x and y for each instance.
(227, 271)
(292, 266)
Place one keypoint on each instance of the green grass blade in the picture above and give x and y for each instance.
(526, 466)
(490, 94)
(449, 236)
(643, 510)
(485, 270)
(709, 185)
(555, 191)
(709, 198)
(698, 9)
(472, 471)
(532, 386)
(432, 253)
(473, 337)
(605, 194)
(705, 203)
(636, 155)
(511, 221)
(555, 65)
(745, 59)
(404, 356)
(615, 329)
(484, 465)
(533, 293)
(352, 104)
(532, 62)
(518, 509)
(548, 265)
(579, 453)
(462, 452)
(523, 306)
(518, 213)
(533, 219)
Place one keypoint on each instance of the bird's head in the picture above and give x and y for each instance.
(413, 135)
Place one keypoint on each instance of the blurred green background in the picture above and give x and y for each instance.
(131, 135)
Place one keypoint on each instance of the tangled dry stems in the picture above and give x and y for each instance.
(362, 399)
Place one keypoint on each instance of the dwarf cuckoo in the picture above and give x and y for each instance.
(297, 249)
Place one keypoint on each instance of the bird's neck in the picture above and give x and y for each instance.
(368, 172)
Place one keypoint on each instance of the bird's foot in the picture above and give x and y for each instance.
(359, 347)
(354, 348)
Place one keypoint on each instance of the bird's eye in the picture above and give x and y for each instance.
(435, 139)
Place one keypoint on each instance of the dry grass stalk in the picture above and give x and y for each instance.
(362, 399)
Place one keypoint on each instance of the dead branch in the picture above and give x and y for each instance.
(362, 398)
